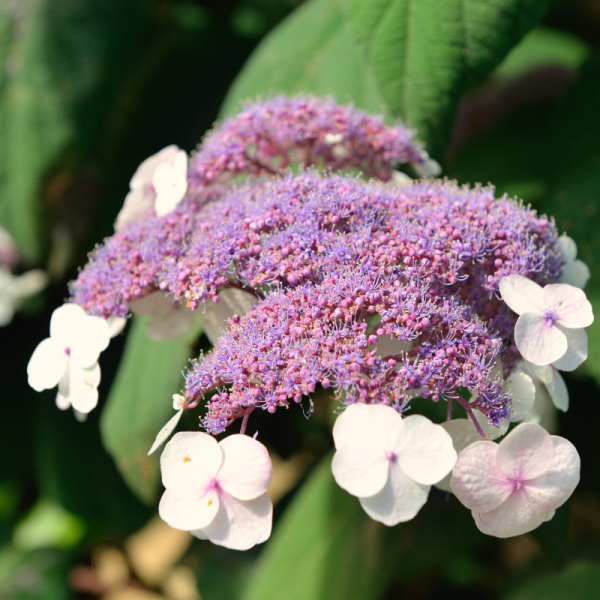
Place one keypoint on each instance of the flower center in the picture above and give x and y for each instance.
(551, 317)
(391, 456)
(516, 484)
(68, 351)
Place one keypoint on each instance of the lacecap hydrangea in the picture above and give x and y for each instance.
(309, 275)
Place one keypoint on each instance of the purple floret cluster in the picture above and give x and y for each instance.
(338, 265)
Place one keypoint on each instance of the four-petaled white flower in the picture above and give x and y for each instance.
(550, 325)
(513, 487)
(389, 462)
(167, 430)
(15, 288)
(160, 182)
(576, 272)
(170, 319)
(68, 358)
(217, 490)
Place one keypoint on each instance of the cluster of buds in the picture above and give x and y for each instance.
(381, 291)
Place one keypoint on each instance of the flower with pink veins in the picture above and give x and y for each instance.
(217, 490)
(550, 326)
(513, 487)
(389, 462)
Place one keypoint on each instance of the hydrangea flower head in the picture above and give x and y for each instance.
(550, 325)
(513, 487)
(389, 462)
(217, 490)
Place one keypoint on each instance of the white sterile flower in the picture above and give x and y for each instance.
(400, 179)
(428, 168)
(167, 430)
(333, 138)
(217, 491)
(68, 358)
(144, 194)
(389, 462)
(576, 272)
(15, 288)
(115, 325)
(231, 302)
(170, 319)
(513, 487)
(552, 380)
(550, 325)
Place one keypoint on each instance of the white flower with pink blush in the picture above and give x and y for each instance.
(160, 182)
(217, 490)
(69, 358)
(513, 487)
(389, 462)
(550, 326)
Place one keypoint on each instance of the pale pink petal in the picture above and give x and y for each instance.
(552, 489)
(523, 394)
(46, 365)
(476, 481)
(463, 434)
(190, 461)
(539, 342)
(185, 510)
(570, 305)
(239, 524)
(491, 431)
(374, 423)
(246, 470)
(576, 274)
(526, 452)
(568, 248)
(424, 450)
(513, 517)
(522, 294)
(361, 468)
(577, 350)
(400, 499)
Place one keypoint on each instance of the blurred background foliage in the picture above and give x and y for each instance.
(502, 91)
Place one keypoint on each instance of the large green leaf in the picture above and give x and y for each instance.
(140, 403)
(324, 548)
(580, 581)
(415, 58)
(574, 196)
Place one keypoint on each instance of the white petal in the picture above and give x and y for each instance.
(144, 173)
(361, 468)
(115, 325)
(399, 501)
(65, 323)
(168, 326)
(46, 365)
(552, 489)
(476, 481)
(170, 184)
(553, 382)
(7, 300)
(539, 342)
(400, 179)
(246, 471)
(190, 461)
(188, 510)
(29, 283)
(570, 304)
(513, 517)
(577, 349)
(166, 431)
(526, 452)
(91, 339)
(522, 294)
(523, 394)
(61, 402)
(428, 168)
(374, 423)
(240, 525)
(576, 274)
(424, 450)
(178, 401)
(82, 387)
(568, 248)
(544, 412)
(136, 202)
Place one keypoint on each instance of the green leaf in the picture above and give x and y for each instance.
(140, 403)
(580, 581)
(324, 548)
(574, 184)
(414, 58)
